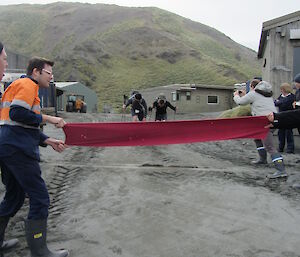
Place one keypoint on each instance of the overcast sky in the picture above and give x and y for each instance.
(241, 20)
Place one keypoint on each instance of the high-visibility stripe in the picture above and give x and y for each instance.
(277, 159)
(36, 108)
(21, 103)
(260, 148)
(5, 104)
(15, 123)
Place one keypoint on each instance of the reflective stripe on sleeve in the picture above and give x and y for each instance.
(15, 123)
(21, 103)
(5, 104)
(36, 108)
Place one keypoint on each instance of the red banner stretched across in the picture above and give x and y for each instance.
(161, 133)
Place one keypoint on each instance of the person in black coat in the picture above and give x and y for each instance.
(138, 107)
(161, 105)
(285, 103)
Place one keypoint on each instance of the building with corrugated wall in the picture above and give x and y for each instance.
(279, 50)
(193, 98)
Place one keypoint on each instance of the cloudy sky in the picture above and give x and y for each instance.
(241, 20)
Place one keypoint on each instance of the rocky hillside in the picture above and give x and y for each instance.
(114, 49)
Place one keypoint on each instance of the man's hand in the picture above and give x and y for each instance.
(57, 121)
(270, 117)
(240, 92)
(269, 126)
(57, 145)
(236, 93)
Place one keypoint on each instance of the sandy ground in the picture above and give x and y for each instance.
(195, 200)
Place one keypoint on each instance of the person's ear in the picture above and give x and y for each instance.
(36, 71)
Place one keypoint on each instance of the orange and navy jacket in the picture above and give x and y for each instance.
(20, 118)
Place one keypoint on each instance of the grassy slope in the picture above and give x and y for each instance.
(147, 48)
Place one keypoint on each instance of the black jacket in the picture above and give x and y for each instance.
(163, 109)
(287, 119)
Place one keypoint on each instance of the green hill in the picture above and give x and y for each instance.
(115, 49)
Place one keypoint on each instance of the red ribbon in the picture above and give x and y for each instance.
(161, 133)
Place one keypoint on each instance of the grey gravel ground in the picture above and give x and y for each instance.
(195, 200)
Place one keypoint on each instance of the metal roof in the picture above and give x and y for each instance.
(61, 85)
(281, 21)
(190, 87)
(198, 86)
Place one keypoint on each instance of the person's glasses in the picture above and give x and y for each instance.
(48, 72)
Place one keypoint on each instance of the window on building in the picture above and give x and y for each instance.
(188, 95)
(174, 96)
(296, 61)
(198, 99)
(212, 99)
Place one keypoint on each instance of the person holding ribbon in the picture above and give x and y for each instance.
(20, 138)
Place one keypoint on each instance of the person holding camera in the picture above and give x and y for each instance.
(161, 104)
(262, 103)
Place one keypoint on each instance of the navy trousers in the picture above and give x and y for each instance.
(21, 175)
(286, 135)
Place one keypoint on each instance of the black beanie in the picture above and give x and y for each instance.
(1, 47)
(297, 78)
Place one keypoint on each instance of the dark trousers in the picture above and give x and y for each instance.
(286, 135)
(162, 116)
(22, 175)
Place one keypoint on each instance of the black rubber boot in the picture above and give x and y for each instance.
(279, 166)
(6, 245)
(36, 236)
(261, 152)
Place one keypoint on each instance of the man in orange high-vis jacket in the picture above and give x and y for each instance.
(20, 138)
